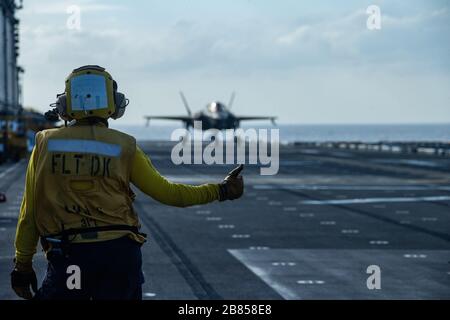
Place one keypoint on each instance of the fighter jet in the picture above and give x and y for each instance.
(216, 116)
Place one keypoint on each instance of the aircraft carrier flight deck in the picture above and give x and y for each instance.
(309, 232)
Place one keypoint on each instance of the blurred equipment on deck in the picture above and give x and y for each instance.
(17, 125)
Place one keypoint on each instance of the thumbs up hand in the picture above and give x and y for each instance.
(232, 187)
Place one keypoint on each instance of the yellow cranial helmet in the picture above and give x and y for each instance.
(90, 91)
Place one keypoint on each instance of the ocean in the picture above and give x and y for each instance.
(316, 133)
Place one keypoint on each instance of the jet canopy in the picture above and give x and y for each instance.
(215, 107)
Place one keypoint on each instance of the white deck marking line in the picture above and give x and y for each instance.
(203, 212)
(380, 242)
(347, 265)
(351, 187)
(9, 214)
(310, 281)
(306, 215)
(415, 256)
(418, 163)
(213, 218)
(283, 264)
(375, 200)
(149, 294)
(350, 231)
(286, 292)
(10, 169)
(240, 236)
(429, 219)
(226, 226)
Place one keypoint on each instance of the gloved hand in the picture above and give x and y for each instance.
(232, 187)
(22, 277)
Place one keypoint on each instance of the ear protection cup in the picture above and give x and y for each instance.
(61, 106)
(121, 103)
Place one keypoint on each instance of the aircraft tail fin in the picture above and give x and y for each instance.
(186, 105)
(230, 103)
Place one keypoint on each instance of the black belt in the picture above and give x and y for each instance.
(77, 231)
(60, 241)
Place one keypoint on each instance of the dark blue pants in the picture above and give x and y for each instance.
(110, 270)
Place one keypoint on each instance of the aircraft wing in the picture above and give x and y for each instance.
(244, 118)
(185, 119)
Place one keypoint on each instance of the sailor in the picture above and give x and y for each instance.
(79, 203)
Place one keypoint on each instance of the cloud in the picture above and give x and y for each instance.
(408, 41)
(294, 36)
(391, 21)
(61, 7)
(240, 47)
(270, 60)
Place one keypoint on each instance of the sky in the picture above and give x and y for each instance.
(307, 62)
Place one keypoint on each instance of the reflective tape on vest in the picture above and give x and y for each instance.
(84, 146)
